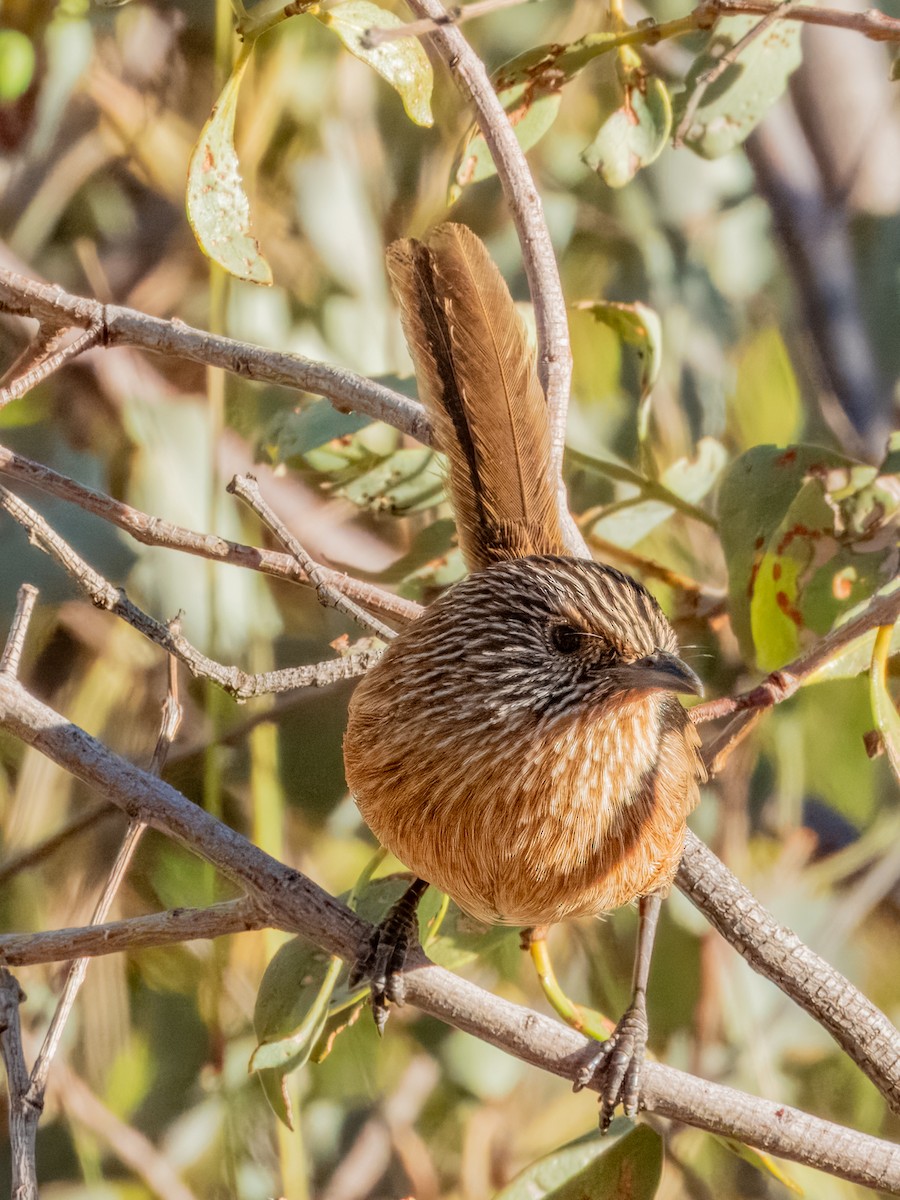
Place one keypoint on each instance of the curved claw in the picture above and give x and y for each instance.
(619, 1062)
(382, 956)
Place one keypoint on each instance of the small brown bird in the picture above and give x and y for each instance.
(519, 746)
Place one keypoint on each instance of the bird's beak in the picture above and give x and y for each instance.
(660, 671)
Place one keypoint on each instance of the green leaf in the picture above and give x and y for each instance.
(688, 479)
(217, 206)
(637, 325)
(290, 1013)
(401, 62)
(736, 102)
(807, 535)
(530, 89)
(634, 135)
(884, 709)
(763, 1162)
(294, 434)
(595, 1169)
(403, 482)
(17, 61)
(766, 404)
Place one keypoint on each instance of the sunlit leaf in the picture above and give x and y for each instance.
(766, 404)
(734, 104)
(401, 62)
(597, 1168)
(808, 535)
(634, 135)
(217, 206)
(16, 64)
(886, 716)
(530, 89)
(298, 432)
(639, 326)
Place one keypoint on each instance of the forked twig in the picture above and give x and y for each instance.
(246, 488)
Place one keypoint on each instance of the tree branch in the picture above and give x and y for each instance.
(105, 595)
(127, 327)
(151, 531)
(133, 933)
(294, 902)
(24, 1114)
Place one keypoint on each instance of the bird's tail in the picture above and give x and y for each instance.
(478, 380)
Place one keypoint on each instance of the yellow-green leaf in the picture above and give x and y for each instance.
(401, 62)
(886, 716)
(217, 205)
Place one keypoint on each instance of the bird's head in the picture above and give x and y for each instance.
(554, 635)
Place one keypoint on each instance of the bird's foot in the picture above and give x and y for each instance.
(382, 955)
(619, 1062)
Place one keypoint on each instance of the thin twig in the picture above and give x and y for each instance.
(134, 933)
(26, 598)
(233, 680)
(24, 1109)
(48, 363)
(455, 15)
(171, 721)
(293, 901)
(246, 488)
(127, 327)
(44, 343)
(43, 849)
(152, 531)
(871, 23)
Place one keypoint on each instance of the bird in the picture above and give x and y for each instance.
(519, 746)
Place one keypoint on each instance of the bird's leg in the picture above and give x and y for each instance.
(621, 1057)
(382, 956)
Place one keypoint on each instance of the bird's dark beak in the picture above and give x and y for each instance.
(660, 671)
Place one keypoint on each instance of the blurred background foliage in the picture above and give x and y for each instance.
(773, 272)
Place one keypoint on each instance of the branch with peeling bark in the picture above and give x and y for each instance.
(292, 901)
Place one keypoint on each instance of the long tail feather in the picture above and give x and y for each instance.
(477, 377)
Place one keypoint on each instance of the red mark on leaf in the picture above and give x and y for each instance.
(783, 600)
(776, 571)
(785, 460)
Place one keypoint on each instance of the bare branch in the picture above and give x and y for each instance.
(151, 531)
(293, 901)
(330, 596)
(127, 327)
(48, 363)
(872, 23)
(26, 599)
(134, 933)
(105, 595)
(24, 1114)
(774, 951)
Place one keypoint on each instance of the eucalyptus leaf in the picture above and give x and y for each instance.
(405, 481)
(734, 104)
(884, 709)
(608, 1168)
(401, 62)
(637, 325)
(634, 135)
(807, 535)
(217, 205)
(530, 89)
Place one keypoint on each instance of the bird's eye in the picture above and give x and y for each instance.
(566, 638)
